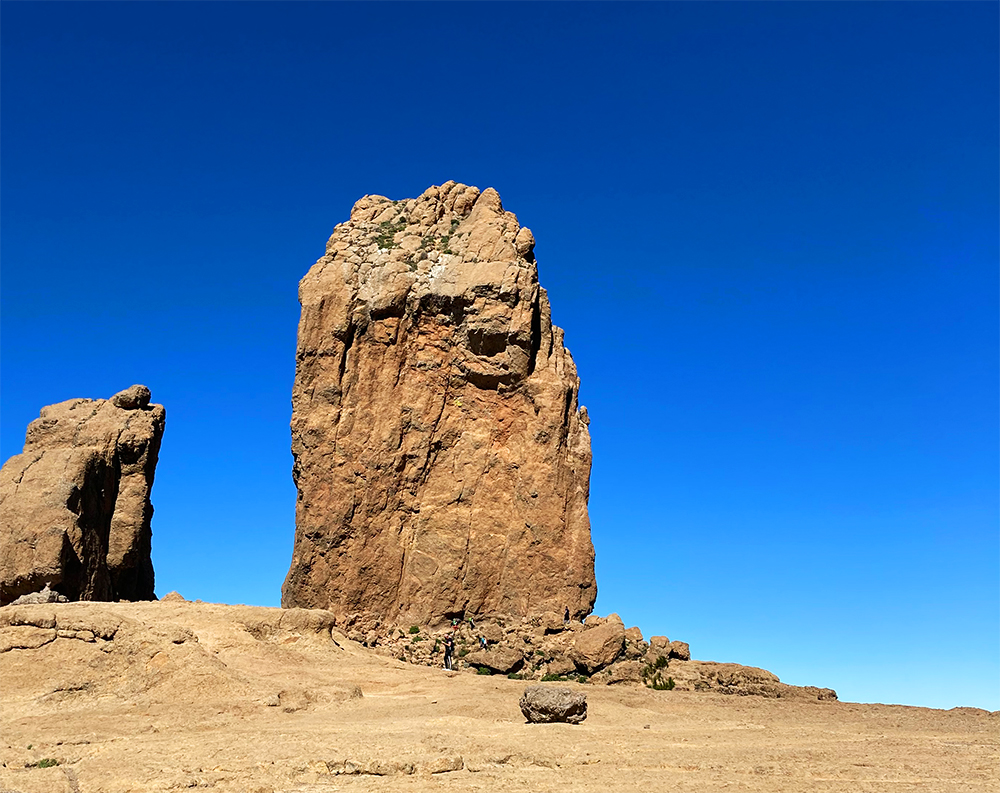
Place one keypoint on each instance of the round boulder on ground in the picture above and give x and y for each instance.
(545, 704)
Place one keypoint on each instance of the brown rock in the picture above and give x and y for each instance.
(625, 672)
(490, 631)
(633, 635)
(74, 505)
(545, 704)
(596, 648)
(441, 459)
(680, 650)
(560, 666)
(498, 659)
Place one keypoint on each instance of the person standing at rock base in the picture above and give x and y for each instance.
(449, 651)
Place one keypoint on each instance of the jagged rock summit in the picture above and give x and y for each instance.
(441, 459)
(74, 505)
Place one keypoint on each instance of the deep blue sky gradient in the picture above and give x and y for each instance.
(770, 231)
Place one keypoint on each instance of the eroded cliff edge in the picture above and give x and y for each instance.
(441, 458)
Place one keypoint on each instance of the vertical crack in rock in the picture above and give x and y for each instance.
(441, 460)
(75, 511)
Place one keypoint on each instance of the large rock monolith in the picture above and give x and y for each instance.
(441, 459)
(74, 505)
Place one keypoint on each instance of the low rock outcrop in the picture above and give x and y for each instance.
(601, 652)
(74, 505)
(441, 458)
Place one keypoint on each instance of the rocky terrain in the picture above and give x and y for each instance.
(171, 695)
(441, 458)
(74, 505)
(601, 651)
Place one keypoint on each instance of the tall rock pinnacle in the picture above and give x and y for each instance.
(74, 505)
(441, 459)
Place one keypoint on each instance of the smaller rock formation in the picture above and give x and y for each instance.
(546, 704)
(74, 505)
(601, 652)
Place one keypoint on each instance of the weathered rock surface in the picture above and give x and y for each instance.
(597, 647)
(546, 704)
(498, 659)
(74, 505)
(441, 459)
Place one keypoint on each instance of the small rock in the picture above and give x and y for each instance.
(173, 597)
(545, 704)
(46, 595)
(633, 635)
(680, 650)
(131, 398)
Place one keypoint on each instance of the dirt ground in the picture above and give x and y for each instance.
(170, 696)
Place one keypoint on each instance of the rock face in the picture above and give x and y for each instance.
(546, 704)
(441, 459)
(596, 647)
(74, 505)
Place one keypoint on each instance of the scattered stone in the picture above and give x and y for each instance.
(545, 704)
(441, 457)
(444, 765)
(74, 505)
(46, 595)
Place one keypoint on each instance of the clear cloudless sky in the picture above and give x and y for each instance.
(770, 231)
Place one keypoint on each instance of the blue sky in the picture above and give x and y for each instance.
(769, 230)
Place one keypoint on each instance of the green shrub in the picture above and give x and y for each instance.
(387, 233)
(661, 662)
(516, 676)
(551, 678)
(582, 679)
(484, 670)
(463, 652)
(664, 685)
(414, 629)
(48, 762)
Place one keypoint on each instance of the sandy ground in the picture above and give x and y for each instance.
(236, 698)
